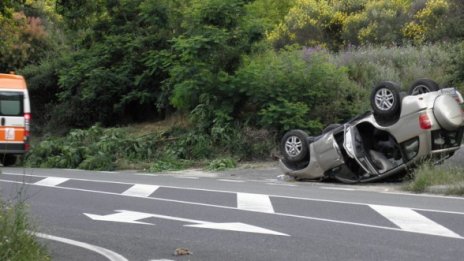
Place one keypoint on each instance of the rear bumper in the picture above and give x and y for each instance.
(12, 148)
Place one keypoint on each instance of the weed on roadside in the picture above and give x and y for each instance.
(16, 242)
(221, 164)
(427, 176)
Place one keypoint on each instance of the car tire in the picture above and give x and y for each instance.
(423, 86)
(8, 160)
(294, 146)
(330, 127)
(386, 100)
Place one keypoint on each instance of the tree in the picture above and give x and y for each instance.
(81, 14)
(23, 41)
(205, 57)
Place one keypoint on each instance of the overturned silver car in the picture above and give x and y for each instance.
(400, 131)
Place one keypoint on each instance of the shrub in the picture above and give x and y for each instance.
(379, 23)
(221, 164)
(100, 161)
(369, 65)
(296, 89)
(169, 164)
(94, 149)
(457, 68)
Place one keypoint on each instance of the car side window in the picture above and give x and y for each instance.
(11, 103)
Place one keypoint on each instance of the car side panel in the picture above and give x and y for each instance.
(328, 154)
(324, 155)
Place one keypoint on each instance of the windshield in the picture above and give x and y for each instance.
(11, 103)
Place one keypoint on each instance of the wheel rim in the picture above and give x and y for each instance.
(293, 146)
(384, 99)
(420, 89)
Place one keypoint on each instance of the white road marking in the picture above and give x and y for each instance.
(335, 188)
(51, 181)
(409, 220)
(110, 255)
(122, 216)
(234, 192)
(147, 174)
(239, 227)
(233, 208)
(185, 177)
(254, 202)
(141, 190)
(127, 216)
(280, 184)
(232, 180)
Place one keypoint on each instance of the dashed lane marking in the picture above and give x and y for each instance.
(141, 190)
(275, 213)
(335, 188)
(254, 202)
(51, 181)
(409, 220)
(232, 180)
(281, 184)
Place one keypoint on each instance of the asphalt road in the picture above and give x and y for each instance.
(238, 215)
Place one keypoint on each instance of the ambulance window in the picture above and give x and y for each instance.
(11, 103)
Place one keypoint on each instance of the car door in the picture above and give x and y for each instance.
(355, 149)
(12, 123)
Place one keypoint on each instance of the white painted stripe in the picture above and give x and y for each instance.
(51, 181)
(186, 177)
(281, 184)
(409, 220)
(231, 180)
(335, 188)
(140, 190)
(110, 255)
(254, 202)
(272, 195)
(233, 208)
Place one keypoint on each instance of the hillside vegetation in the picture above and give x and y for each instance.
(239, 72)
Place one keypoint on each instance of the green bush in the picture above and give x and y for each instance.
(296, 89)
(97, 148)
(94, 149)
(100, 161)
(369, 65)
(169, 164)
(457, 68)
(221, 164)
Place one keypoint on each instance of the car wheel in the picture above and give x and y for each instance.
(8, 160)
(330, 127)
(423, 86)
(385, 99)
(294, 145)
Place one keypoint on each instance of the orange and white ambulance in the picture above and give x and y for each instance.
(15, 117)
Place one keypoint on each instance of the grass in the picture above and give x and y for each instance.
(16, 242)
(221, 164)
(437, 179)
